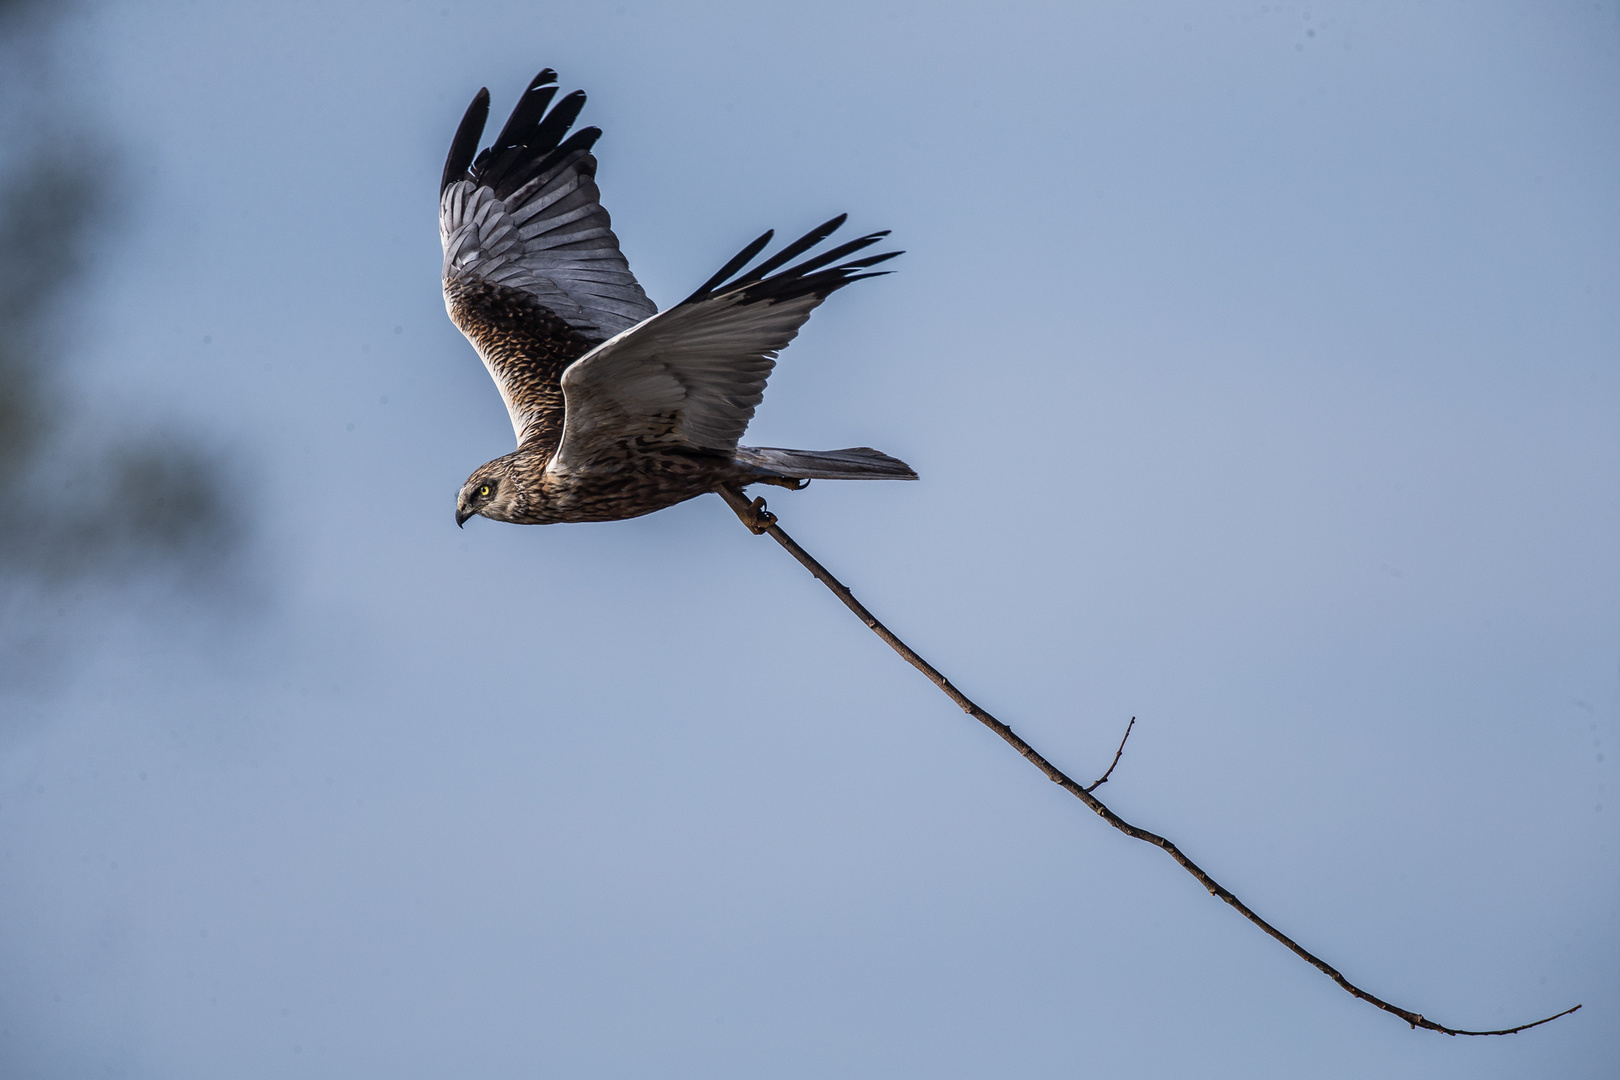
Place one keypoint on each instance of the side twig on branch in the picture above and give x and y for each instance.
(763, 522)
(1103, 779)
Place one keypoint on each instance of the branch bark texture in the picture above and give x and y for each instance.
(754, 515)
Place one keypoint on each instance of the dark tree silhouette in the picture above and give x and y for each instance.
(82, 506)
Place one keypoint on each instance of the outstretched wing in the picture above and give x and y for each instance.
(533, 274)
(693, 375)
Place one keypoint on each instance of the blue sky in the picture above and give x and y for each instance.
(1259, 361)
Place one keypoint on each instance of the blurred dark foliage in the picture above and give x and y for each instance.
(85, 505)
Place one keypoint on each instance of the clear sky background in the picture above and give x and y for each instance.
(1260, 363)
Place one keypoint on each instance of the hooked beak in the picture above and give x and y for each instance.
(462, 516)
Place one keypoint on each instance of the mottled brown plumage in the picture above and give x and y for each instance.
(525, 345)
(619, 410)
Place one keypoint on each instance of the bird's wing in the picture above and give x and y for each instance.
(533, 274)
(692, 376)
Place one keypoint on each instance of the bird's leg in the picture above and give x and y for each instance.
(759, 519)
(753, 514)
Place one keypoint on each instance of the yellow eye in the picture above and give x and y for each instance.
(484, 491)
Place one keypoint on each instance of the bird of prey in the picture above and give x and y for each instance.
(619, 409)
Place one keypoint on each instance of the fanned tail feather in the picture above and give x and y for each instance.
(856, 463)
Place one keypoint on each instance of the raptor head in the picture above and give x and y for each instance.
(493, 490)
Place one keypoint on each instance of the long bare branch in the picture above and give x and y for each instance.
(761, 521)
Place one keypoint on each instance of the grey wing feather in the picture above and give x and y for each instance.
(692, 376)
(527, 215)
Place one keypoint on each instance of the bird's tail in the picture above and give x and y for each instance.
(856, 463)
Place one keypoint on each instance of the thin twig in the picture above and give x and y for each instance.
(1103, 779)
(761, 521)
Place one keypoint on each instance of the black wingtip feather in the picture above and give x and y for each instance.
(795, 249)
(532, 140)
(556, 124)
(530, 108)
(737, 262)
(806, 278)
(872, 260)
(836, 253)
(465, 145)
(517, 165)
